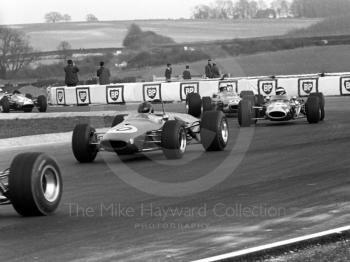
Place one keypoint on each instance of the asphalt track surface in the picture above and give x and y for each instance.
(293, 179)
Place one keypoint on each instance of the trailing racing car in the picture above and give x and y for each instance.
(225, 100)
(280, 108)
(20, 102)
(32, 184)
(146, 131)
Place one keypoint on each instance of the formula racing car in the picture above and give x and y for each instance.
(32, 184)
(225, 100)
(280, 108)
(146, 131)
(20, 102)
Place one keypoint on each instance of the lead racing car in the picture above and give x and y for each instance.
(32, 184)
(281, 108)
(20, 102)
(146, 131)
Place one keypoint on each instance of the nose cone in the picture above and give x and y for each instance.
(277, 112)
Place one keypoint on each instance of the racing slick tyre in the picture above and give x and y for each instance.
(117, 120)
(313, 109)
(83, 135)
(42, 103)
(27, 95)
(207, 104)
(194, 104)
(214, 131)
(173, 139)
(35, 184)
(5, 104)
(245, 113)
(246, 93)
(322, 102)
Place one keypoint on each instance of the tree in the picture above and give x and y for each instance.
(91, 18)
(222, 9)
(66, 18)
(242, 9)
(320, 8)
(14, 51)
(201, 12)
(53, 17)
(65, 48)
(253, 8)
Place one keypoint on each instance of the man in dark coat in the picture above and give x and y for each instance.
(187, 74)
(71, 78)
(168, 72)
(215, 71)
(208, 70)
(103, 74)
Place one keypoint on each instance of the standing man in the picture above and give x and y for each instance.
(215, 71)
(71, 78)
(168, 72)
(187, 74)
(103, 74)
(208, 70)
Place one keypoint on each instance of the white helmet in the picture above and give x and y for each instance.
(280, 91)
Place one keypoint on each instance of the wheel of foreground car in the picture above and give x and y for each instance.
(5, 104)
(313, 109)
(194, 104)
(117, 120)
(35, 184)
(245, 113)
(214, 131)
(42, 103)
(83, 135)
(173, 139)
(322, 103)
(246, 93)
(207, 104)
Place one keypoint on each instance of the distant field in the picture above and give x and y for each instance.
(46, 37)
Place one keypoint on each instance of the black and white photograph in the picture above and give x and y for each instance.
(175, 130)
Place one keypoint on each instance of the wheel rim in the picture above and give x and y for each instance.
(182, 140)
(224, 131)
(50, 183)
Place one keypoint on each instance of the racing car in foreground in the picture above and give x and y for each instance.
(21, 102)
(225, 100)
(146, 131)
(32, 184)
(280, 108)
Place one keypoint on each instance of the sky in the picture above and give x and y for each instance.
(33, 11)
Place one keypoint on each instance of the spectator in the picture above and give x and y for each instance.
(208, 70)
(71, 71)
(168, 72)
(186, 74)
(215, 71)
(103, 74)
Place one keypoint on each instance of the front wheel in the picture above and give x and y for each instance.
(35, 184)
(207, 104)
(83, 150)
(313, 109)
(5, 104)
(173, 139)
(245, 113)
(194, 104)
(214, 131)
(42, 103)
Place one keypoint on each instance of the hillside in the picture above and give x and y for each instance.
(46, 37)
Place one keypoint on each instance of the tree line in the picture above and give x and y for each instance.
(248, 9)
(54, 17)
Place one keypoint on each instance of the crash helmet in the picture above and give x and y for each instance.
(145, 107)
(280, 91)
(222, 88)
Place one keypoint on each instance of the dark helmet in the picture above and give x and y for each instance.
(280, 91)
(145, 107)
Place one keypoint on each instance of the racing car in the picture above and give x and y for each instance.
(280, 108)
(225, 100)
(20, 102)
(146, 131)
(32, 184)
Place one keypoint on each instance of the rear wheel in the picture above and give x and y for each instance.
(42, 103)
(35, 184)
(245, 113)
(83, 150)
(5, 104)
(207, 103)
(214, 131)
(173, 139)
(194, 104)
(313, 109)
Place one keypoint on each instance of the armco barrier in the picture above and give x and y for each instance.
(295, 85)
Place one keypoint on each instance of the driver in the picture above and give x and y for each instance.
(280, 91)
(145, 107)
